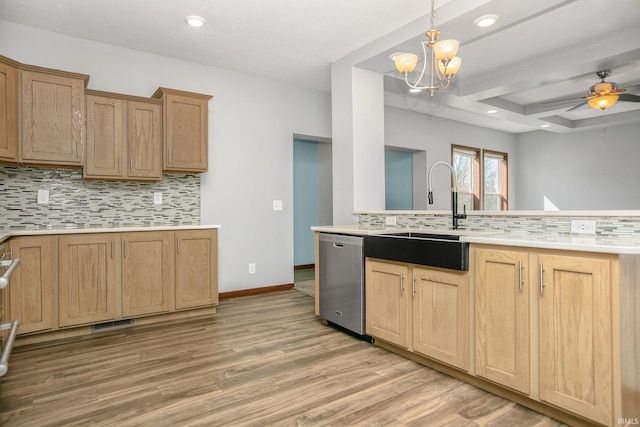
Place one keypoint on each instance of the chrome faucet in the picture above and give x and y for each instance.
(454, 194)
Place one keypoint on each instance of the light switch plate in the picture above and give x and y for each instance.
(277, 205)
(43, 197)
(157, 198)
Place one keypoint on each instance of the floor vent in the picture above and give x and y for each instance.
(110, 326)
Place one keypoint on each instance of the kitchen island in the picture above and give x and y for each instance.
(73, 281)
(546, 320)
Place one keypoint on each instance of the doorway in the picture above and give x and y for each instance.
(312, 199)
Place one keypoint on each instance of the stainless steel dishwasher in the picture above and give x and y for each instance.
(342, 298)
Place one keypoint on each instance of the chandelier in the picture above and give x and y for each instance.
(444, 62)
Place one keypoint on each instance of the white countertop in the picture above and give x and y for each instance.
(43, 231)
(583, 243)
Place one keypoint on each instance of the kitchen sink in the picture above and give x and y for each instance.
(433, 250)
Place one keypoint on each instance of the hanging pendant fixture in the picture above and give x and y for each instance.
(444, 63)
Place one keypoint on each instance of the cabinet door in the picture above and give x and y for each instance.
(575, 335)
(196, 268)
(146, 273)
(144, 141)
(387, 293)
(87, 272)
(185, 133)
(106, 135)
(31, 284)
(53, 117)
(502, 317)
(441, 316)
(8, 112)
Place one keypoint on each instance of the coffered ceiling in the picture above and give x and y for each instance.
(536, 53)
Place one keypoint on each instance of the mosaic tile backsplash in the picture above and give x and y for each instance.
(76, 202)
(548, 225)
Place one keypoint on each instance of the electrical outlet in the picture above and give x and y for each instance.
(43, 197)
(157, 198)
(252, 268)
(277, 205)
(580, 226)
(390, 220)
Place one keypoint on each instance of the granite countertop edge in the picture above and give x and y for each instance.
(55, 230)
(572, 242)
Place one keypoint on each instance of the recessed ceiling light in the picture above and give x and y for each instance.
(492, 111)
(486, 20)
(415, 90)
(195, 21)
(544, 126)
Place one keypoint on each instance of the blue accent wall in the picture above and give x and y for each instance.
(398, 180)
(306, 199)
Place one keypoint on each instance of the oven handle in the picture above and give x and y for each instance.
(6, 351)
(4, 280)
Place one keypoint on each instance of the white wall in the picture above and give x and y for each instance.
(251, 126)
(583, 170)
(408, 129)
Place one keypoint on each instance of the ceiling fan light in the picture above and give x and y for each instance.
(603, 102)
(452, 67)
(405, 62)
(446, 49)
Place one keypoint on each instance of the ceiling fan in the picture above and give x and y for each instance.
(604, 94)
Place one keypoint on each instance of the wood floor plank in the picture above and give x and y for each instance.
(262, 360)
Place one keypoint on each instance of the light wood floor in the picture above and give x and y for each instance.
(262, 360)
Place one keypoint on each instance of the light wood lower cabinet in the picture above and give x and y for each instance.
(146, 273)
(420, 309)
(441, 315)
(502, 329)
(70, 280)
(196, 279)
(576, 335)
(87, 274)
(545, 327)
(387, 302)
(31, 286)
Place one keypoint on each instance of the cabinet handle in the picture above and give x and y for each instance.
(131, 164)
(112, 249)
(541, 279)
(401, 284)
(178, 244)
(170, 155)
(125, 247)
(520, 273)
(413, 284)
(119, 165)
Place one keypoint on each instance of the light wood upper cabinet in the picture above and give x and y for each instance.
(8, 110)
(441, 315)
(185, 130)
(196, 283)
(124, 137)
(388, 302)
(32, 284)
(576, 335)
(87, 274)
(53, 116)
(502, 327)
(146, 273)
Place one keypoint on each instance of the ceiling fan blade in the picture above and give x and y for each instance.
(577, 106)
(627, 97)
(557, 101)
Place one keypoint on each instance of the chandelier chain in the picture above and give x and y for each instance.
(432, 14)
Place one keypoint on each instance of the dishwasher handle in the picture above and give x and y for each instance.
(6, 351)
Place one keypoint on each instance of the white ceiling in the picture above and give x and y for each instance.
(538, 51)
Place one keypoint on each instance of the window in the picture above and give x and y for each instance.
(481, 178)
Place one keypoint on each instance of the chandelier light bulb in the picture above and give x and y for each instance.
(446, 49)
(405, 62)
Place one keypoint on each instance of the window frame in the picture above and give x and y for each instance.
(478, 174)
